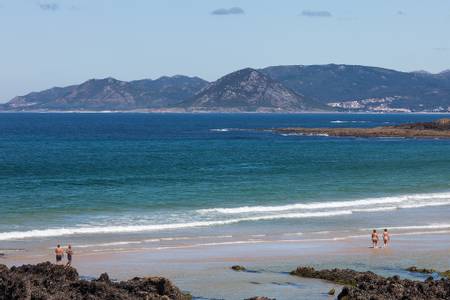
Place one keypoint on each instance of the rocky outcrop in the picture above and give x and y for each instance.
(445, 274)
(414, 269)
(238, 268)
(367, 285)
(437, 129)
(49, 281)
(440, 124)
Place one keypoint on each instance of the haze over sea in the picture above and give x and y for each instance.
(128, 180)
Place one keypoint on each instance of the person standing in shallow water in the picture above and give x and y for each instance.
(69, 253)
(386, 238)
(59, 252)
(374, 238)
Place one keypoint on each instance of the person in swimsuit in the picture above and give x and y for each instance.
(59, 252)
(374, 238)
(69, 253)
(386, 238)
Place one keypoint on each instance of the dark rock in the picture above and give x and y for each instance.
(332, 291)
(238, 268)
(49, 281)
(445, 274)
(420, 130)
(367, 285)
(344, 277)
(417, 270)
(104, 277)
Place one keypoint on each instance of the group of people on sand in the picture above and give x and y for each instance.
(375, 238)
(59, 252)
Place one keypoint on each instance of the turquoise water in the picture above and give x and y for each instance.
(83, 175)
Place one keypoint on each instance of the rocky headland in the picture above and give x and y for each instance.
(368, 285)
(54, 282)
(436, 129)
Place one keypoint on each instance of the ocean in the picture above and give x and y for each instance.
(116, 181)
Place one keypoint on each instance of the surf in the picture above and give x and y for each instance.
(392, 202)
(54, 232)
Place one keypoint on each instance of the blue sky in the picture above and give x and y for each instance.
(61, 42)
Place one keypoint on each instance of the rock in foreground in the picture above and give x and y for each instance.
(49, 281)
(367, 285)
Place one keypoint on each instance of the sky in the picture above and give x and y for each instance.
(49, 43)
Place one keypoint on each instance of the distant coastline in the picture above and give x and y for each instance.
(218, 112)
(287, 89)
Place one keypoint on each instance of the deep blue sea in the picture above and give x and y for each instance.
(70, 176)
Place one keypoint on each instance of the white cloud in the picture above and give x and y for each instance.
(316, 14)
(228, 11)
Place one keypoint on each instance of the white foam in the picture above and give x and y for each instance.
(304, 134)
(112, 244)
(119, 243)
(229, 129)
(209, 244)
(340, 121)
(293, 233)
(375, 209)
(423, 232)
(418, 205)
(220, 129)
(53, 232)
(406, 201)
(415, 227)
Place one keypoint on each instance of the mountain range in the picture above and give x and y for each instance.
(293, 88)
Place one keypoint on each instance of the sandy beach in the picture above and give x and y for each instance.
(204, 271)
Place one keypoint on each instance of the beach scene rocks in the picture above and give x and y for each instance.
(368, 285)
(55, 282)
(49, 281)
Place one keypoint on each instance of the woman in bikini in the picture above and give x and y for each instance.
(374, 238)
(386, 238)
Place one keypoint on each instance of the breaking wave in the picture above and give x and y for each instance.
(53, 232)
(368, 204)
(340, 122)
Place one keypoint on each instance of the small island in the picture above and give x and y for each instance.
(436, 129)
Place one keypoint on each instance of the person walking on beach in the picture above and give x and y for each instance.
(69, 253)
(374, 238)
(59, 252)
(386, 238)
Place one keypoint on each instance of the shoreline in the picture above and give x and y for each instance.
(197, 269)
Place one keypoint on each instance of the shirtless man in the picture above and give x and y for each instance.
(69, 253)
(374, 238)
(59, 252)
(386, 238)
